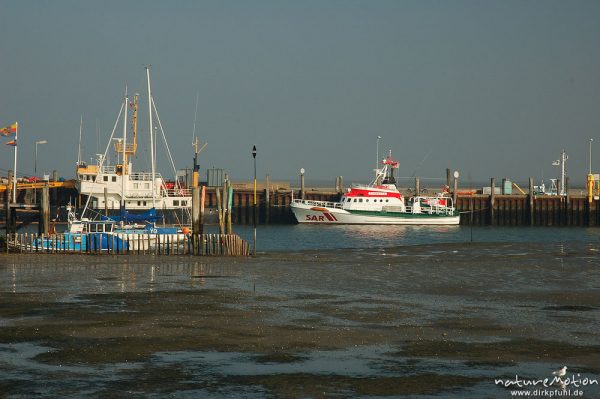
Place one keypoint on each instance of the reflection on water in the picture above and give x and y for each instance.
(314, 237)
(81, 274)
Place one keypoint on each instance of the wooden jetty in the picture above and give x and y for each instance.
(140, 244)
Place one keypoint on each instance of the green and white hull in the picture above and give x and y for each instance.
(333, 213)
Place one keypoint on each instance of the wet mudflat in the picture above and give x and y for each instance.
(426, 321)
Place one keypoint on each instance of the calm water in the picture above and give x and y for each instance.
(314, 237)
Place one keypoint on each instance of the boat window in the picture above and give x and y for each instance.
(183, 203)
(354, 199)
(93, 178)
(144, 203)
(109, 227)
(387, 200)
(105, 178)
(146, 185)
(92, 228)
(367, 200)
(114, 178)
(360, 200)
(175, 203)
(139, 203)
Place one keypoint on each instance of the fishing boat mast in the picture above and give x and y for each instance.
(151, 135)
(124, 160)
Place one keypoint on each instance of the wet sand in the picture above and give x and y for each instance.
(437, 321)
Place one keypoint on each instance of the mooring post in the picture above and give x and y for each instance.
(503, 188)
(55, 190)
(202, 199)
(219, 209)
(10, 211)
(567, 204)
(267, 199)
(418, 186)
(341, 185)
(530, 199)
(105, 201)
(455, 190)
(492, 200)
(7, 199)
(44, 221)
(229, 207)
(196, 210)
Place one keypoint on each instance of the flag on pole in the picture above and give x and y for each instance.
(8, 130)
(12, 142)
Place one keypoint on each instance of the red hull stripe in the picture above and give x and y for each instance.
(329, 216)
(374, 194)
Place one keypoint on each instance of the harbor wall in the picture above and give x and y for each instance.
(273, 207)
(479, 210)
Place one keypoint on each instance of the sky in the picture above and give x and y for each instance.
(487, 88)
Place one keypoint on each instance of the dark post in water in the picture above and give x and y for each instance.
(530, 201)
(492, 199)
(44, 210)
(196, 210)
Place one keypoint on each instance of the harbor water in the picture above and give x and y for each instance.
(321, 311)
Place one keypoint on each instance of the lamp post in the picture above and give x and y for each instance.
(35, 167)
(254, 207)
(591, 156)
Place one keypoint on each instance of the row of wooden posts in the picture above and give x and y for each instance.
(125, 244)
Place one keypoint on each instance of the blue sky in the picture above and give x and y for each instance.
(489, 88)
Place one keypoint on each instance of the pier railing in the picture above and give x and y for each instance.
(124, 244)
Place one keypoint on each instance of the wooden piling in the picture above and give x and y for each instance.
(219, 210)
(530, 200)
(267, 200)
(196, 210)
(44, 221)
(202, 199)
(418, 187)
(492, 201)
(229, 207)
(105, 201)
(455, 191)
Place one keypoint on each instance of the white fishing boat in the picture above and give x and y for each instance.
(379, 202)
(119, 186)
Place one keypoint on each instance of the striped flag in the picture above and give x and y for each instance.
(12, 143)
(8, 130)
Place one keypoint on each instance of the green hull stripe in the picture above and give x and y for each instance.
(402, 214)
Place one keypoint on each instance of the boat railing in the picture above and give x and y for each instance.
(144, 176)
(325, 204)
(178, 192)
(107, 170)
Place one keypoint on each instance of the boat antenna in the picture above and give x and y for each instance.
(151, 130)
(79, 149)
(195, 115)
